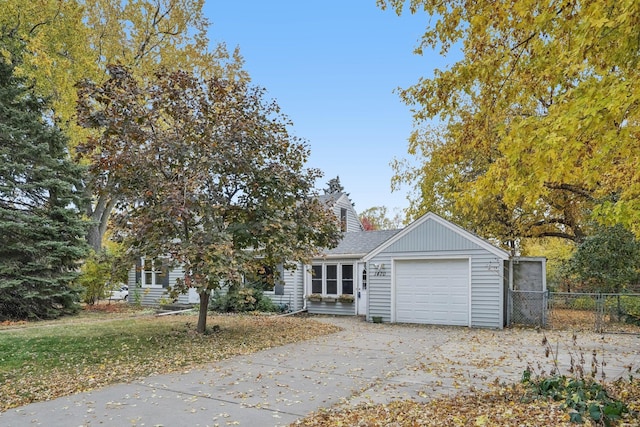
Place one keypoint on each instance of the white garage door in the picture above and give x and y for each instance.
(432, 291)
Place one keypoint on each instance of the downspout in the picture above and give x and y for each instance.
(304, 287)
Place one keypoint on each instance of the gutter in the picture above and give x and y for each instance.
(341, 256)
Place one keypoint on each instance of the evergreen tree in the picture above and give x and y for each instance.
(41, 228)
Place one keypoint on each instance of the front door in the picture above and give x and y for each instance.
(362, 289)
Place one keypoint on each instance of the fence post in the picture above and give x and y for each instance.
(599, 313)
(545, 307)
(509, 306)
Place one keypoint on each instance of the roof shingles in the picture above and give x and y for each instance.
(361, 242)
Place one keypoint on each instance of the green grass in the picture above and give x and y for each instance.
(73, 345)
(49, 360)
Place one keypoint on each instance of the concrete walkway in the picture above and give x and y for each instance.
(363, 363)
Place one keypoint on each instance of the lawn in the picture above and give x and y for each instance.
(46, 360)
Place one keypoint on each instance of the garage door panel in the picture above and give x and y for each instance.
(432, 291)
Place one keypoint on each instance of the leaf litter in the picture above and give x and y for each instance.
(163, 345)
(479, 395)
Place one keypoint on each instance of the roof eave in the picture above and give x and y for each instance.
(336, 256)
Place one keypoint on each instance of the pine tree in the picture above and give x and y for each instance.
(41, 228)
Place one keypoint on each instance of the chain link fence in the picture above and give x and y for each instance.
(528, 308)
(602, 312)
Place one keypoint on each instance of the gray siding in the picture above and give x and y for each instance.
(334, 308)
(379, 288)
(431, 236)
(487, 294)
(154, 296)
(293, 290)
(131, 277)
(353, 222)
(487, 291)
(293, 295)
(148, 296)
(432, 239)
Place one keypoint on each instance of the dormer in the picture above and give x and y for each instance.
(339, 201)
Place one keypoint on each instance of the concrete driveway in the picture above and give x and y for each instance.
(363, 363)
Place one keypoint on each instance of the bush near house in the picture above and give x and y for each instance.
(241, 300)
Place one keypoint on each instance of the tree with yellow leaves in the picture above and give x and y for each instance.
(538, 121)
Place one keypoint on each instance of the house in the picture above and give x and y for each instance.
(430, 272)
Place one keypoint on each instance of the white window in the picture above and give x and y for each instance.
(316, 279)
(154, 273)
(332, 279)
(347, 279)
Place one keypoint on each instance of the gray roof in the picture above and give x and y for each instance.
(361, 242)
(329, 198)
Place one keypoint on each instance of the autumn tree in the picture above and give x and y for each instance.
(209, 176)
(534, 132)
(71, 40)
(377, 218)
(607, 261)
(42, 230)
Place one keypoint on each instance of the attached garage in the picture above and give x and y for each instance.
(434, 272)
(432, 291)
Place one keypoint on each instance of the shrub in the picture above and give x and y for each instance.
(265, 305)
(585, 398)
(240, 300)
(584, 303)
(94, 275)
(626, 307)
(583, 395)
(101, 272)
(606, 261)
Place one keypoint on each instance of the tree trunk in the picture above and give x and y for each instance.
(99, 220)
(94, 238)
(202, 315)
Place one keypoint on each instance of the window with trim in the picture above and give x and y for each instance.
(154, 273)
(267, 279)
(332, 279)
(343, 219)
(347, 279)
(316, 279)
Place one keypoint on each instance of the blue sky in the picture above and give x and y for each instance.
(332, 66)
